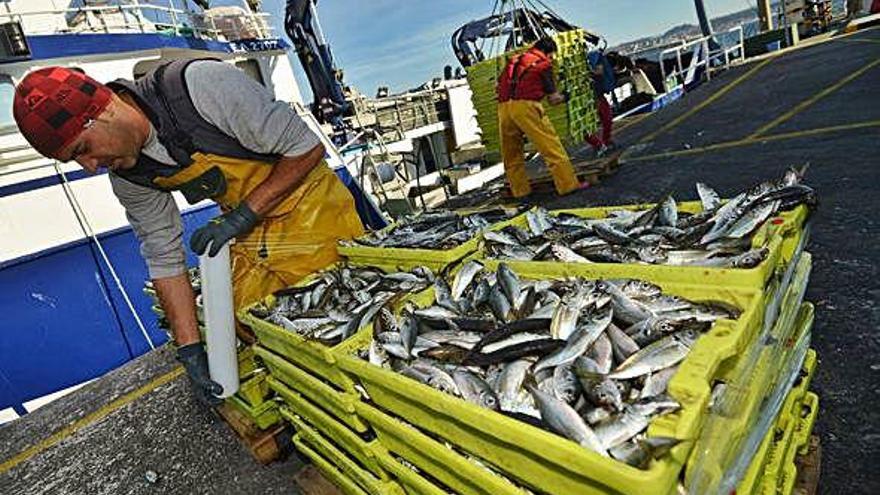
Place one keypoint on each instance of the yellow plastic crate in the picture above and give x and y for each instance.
(351, 442)
(432, 457)
(309, 354)
(246, 364)
(753, 476)
(757, 366)
(728, 430)
(800, 388)
(761, 477)
(263, 415)
(805, 416)
(778, 232)
(337, 477)
(547, 461)
(412, 483)
(339, 404)
(325, 448)
(435, 259)
(253, 390)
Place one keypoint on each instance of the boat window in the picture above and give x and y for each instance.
(7, 92)
(251, 68)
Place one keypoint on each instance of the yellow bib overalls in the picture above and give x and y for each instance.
(296, 238)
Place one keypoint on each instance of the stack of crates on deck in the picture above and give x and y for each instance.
(319, 401)
(745, 414)
(572, 120)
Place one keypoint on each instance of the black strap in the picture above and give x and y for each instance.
(180, 139)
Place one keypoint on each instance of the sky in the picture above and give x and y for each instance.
(403, 43)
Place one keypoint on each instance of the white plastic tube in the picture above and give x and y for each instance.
(216, 274)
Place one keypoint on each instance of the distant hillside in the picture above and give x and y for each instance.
(688, 31)
(719, 25)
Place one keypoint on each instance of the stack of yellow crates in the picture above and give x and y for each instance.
(745, 408)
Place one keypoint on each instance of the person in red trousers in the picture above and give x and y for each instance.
(602, 75)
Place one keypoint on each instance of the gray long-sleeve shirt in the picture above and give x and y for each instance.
(238, 106)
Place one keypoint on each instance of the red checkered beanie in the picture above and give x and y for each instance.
(53, 105)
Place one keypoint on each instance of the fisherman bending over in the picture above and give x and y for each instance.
(208, 130)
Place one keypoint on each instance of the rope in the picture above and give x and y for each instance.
(80, 215)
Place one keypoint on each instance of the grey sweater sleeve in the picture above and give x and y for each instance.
(238, 106)
(242, 108)
(156, 220)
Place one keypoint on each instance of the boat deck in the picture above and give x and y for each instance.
(816, 106)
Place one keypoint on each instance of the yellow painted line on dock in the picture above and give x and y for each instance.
(813, 99)
(93, 417)
(763, 139)
(718, 94)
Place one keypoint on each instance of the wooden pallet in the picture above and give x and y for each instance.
(265, 445)
(808, 469)
(589, 171)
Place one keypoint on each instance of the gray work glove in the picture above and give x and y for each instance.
(195, 361)
(219, 230)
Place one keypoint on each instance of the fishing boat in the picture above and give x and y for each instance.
(70, 271)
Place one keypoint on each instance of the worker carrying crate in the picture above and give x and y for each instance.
(525, 81)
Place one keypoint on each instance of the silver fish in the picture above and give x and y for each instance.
(500, 237)
(656, 383)
(377, 355)
(577, 343)
(599, 389)
(509, 282)
(620, 428)
(565, 384)
(409, 331)
(434, 377)
(666, 352)
(474, 389)
(751, 220)
(708, 197)
(517, 338)
(602, 352)
(464, 277)
(510, 381)
(596, 415)
(626, 309)
(520, 253)
(669, 212)
(501, 307)
(443, 295)
(564, 321)
(622, 345)
(567, 255)
(564, 420)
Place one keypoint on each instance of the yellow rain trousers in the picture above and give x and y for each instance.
(296, 238)
(525, 117)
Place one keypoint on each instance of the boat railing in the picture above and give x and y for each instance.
(711, 60)
(223, 24)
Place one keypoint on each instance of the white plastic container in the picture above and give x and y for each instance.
(220, 338)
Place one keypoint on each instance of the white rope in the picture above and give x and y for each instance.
(80, 214)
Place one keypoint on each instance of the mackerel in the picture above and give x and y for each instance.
(564, 420)
(666, 352)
